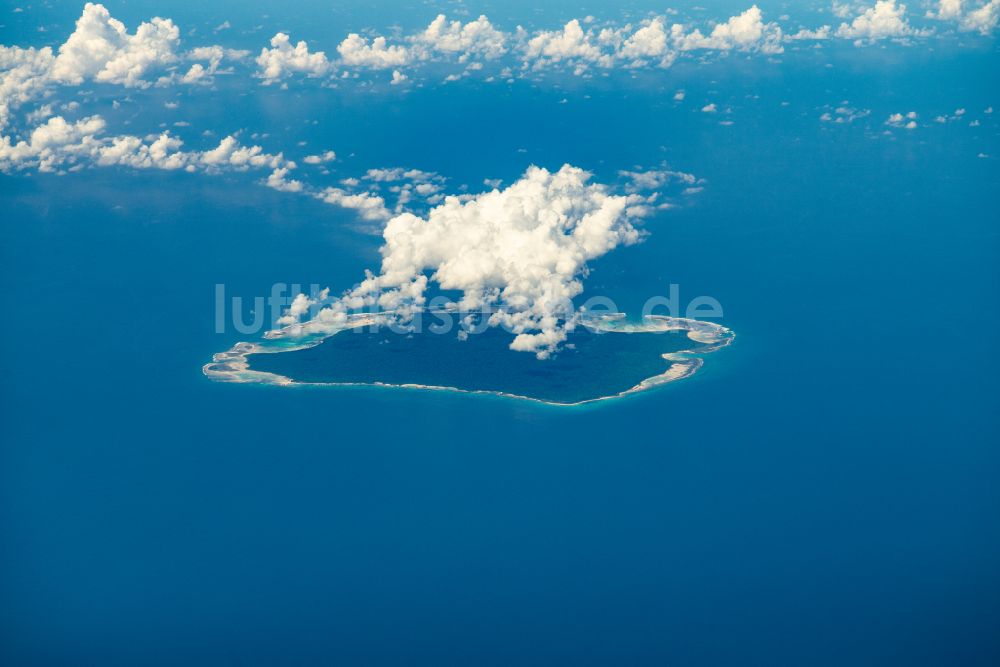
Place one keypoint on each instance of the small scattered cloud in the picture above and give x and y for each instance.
(328, 156)
(844, 113)
(369, 206)
(906, 120)
(279, 181)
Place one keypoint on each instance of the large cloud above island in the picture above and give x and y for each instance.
(520, 252)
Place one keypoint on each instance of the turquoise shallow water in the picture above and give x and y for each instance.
(823, 492)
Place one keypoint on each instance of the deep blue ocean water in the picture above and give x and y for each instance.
(823, 492)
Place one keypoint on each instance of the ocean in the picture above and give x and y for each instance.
(822, 492)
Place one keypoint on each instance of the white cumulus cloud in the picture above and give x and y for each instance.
(885, 19)
(983, 19)
(651, 41)
(357, 51)
(946, 10)
(521, 252)
(477, 38)
(745, 32)
(102, 49)
(569, 44)
(59, 144)
(283, 59)
(24, 74)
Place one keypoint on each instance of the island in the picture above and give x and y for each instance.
(604, 358)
